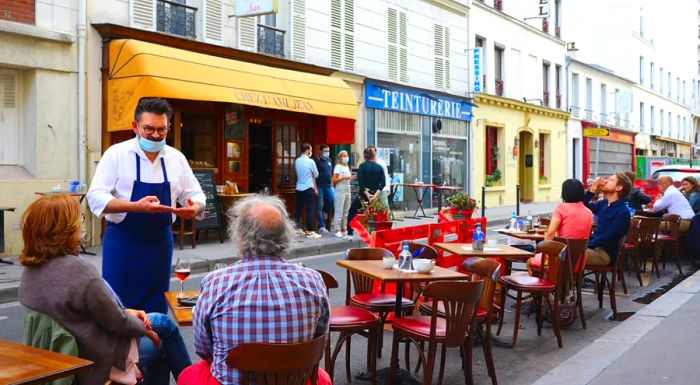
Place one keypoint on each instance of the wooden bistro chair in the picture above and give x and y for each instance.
(616, 271)
(556, 280)
(672, 238)
(631, 251)
(460, 300)
(185, 228)
(349, 320)
(381, 303)
(646, 245)
(277, 363)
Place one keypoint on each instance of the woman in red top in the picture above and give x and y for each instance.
(571, 218)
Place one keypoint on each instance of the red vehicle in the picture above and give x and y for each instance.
(677, 172)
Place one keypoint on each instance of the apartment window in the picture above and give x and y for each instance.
(685, 129)
(480, 42)
(641, 22)
(641, 70)
(398, 51)
(545, 83)
(557, 84)
(498, 69)
(642, 123)
(589, 98)
(678, 89)
(670, 123)
(661, 80)
(683, 91)
(575, 105)
(652, 119)
(678, 125)
(175, 17)
(9, 116)
(493, 156)
(544, 161)
(603, 102)
(668, 84)
(557, 18)
(343, 34)
(270, 39)
(441, 39)
(661, 121)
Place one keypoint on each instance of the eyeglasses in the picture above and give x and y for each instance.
(150, 130)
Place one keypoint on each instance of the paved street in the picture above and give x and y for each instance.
(532, 357)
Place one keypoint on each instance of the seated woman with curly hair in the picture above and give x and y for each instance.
(60, 284)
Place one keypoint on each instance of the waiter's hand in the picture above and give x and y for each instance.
(151, 204)
(188, 211)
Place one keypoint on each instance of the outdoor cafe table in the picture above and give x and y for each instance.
(182, 314)
(537, 237)
(24, 364)
(420, 197)
(375, 269)
(509, 253)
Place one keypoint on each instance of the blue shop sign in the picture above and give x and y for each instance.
(412, 101)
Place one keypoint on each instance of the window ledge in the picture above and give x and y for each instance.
(34, 31)
(10, 172)
(544, 185)
(496, 188)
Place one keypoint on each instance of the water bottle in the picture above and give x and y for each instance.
(529, 216)
(513, 221)
(405, 258)
(630, 209)
(478, 238)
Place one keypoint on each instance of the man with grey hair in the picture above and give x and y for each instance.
(261, 298)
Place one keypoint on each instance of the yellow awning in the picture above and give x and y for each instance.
(138, 69)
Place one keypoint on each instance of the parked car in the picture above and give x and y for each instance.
(677, 172)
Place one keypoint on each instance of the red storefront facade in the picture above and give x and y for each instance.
(615, 152)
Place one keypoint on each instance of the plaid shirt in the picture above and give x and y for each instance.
(258, 299)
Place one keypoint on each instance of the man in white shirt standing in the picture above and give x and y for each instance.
(135, 187)
(306, 188)
(674, 202)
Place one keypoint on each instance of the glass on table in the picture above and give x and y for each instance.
(182, 271)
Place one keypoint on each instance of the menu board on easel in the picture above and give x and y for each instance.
(211, 218)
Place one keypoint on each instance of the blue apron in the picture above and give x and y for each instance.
(137, 252)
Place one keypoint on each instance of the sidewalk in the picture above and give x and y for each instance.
(209, 252)
(659, 344)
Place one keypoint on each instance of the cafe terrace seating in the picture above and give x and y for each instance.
(646, 243)
(576, 249)
(616, 271)
(631, 251)
(277, 363)
(671, 238)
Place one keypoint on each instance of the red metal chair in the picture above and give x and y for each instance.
(456, 329)
(555, 279)
(349, 320)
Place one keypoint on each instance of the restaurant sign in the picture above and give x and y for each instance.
(255, 7)
(272, 101)
(596, 131)
(413, 101)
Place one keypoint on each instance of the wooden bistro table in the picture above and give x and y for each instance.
(24, 364)
(182, 314)
(509, 253)
(528, 236)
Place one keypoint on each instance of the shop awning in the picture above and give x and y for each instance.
(139, 69)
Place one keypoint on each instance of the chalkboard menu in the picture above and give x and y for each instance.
(211, 219)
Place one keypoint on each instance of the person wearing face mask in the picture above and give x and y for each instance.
(135, 187)
(324, 200)
(341, 181)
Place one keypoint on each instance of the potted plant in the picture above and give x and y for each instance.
(461, 205)
(543, 179)
(377, 213)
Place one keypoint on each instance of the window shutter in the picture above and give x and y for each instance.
(143, 14)
(403, 51)
(9, 117)
(349, 24)
(299, 30)
(447, 58)
(247, 33)
(212, 24)
(438, 42)
(336, 38)
(392, 62)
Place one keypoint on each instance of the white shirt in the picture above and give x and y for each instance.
(674, 201)
(387, 179)
(116, 173)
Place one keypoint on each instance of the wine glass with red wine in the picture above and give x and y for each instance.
(182, 271)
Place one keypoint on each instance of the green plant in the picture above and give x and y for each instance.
(543, 179)
(496, 174)
(461, 201)
(375, 205)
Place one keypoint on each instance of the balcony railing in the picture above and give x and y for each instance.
(175, 18)
(498, 4)
(575, 111)
(499, 87)
(545, 98)
(557, 31)
(270, 40)
(545, 25)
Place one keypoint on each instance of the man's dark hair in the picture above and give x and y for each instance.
(158, 106)
(369, 153)
(305, 147)
(624, 181)
(631, 175)
(322, 146)
(572, 191)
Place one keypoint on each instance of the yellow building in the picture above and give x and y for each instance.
(517, 144)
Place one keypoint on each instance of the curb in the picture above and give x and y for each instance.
(585, 366)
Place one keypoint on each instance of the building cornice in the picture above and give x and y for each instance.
(519, 22)
(513, 104)
(451, 6)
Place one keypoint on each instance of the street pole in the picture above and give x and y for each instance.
(597, 155)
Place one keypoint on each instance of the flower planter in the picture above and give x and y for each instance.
(461, 214)
(379, 225)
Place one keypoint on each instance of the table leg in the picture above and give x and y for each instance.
(2, 236)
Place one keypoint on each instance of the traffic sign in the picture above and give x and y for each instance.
(596, 132)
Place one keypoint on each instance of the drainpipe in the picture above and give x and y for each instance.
(82, 16)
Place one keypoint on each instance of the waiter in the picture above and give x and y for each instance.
(135, 188)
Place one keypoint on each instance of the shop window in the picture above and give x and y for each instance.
(544, 158)
(494, 173)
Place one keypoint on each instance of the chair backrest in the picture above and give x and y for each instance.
(674, 224)
(361, 282)
(620, 252)
(277, 363)
(488, 270)
(328, 279)
(555, 256)
(648, 230)
(633, 233)
(460, 300)
(544, 221)
(427, 251)
(576, 248)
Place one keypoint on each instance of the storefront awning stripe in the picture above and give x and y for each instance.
(141, 69)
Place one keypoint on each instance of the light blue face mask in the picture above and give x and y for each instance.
(345, 159)
(325, 154)
(150, 145)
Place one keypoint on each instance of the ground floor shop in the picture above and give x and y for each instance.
(606, 150)
(421, 135)
(517, 149)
